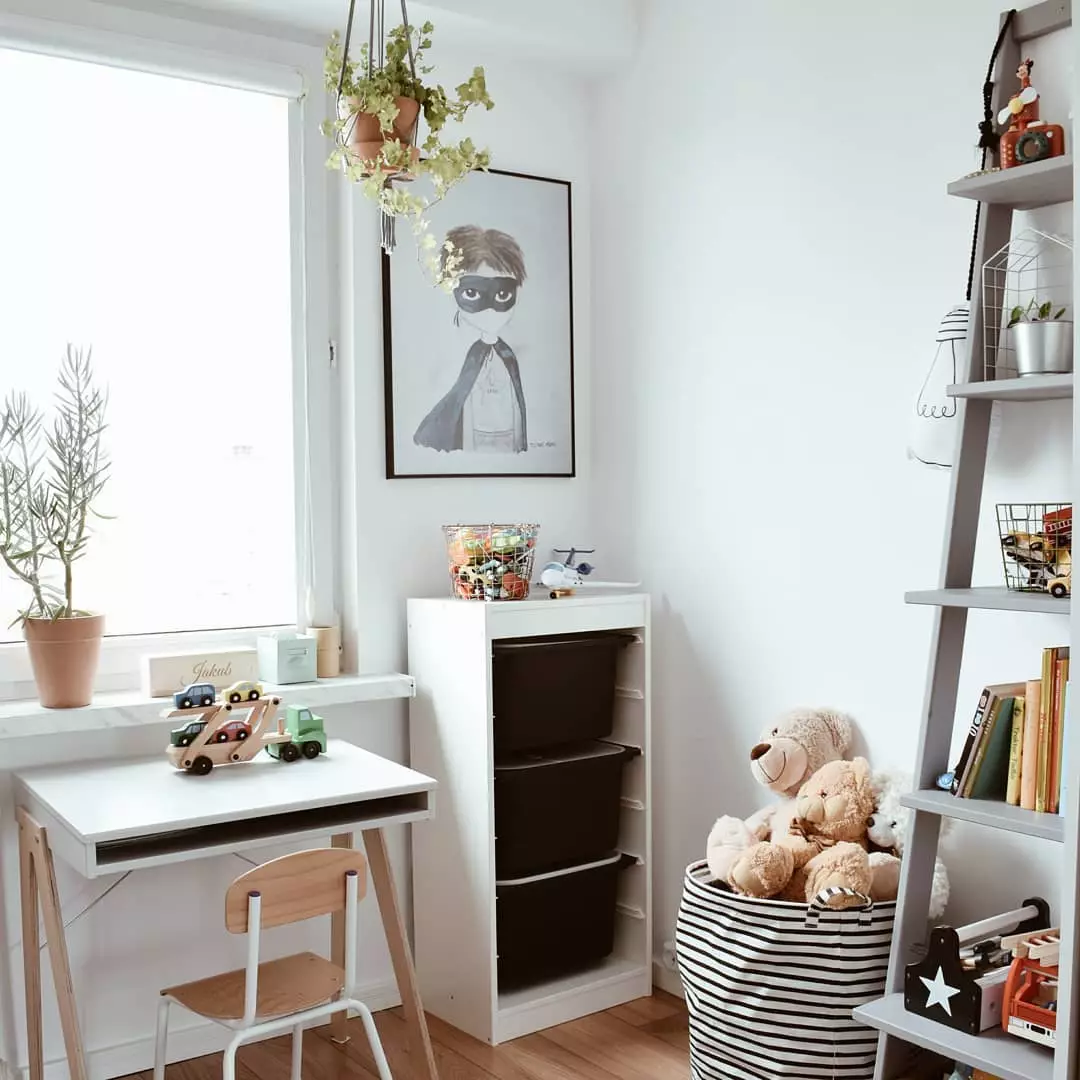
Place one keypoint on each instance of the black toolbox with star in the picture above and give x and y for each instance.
(961, 980)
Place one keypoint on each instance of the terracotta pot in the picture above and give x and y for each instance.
(366, 138)
(64, 655)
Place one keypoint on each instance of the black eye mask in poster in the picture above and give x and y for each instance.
(476, 293)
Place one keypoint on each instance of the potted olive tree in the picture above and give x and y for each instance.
(50, 480)
(1042, 338)
(375, 133)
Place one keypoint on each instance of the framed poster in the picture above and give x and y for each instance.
(480, 381)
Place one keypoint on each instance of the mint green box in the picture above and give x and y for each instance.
(286, 658)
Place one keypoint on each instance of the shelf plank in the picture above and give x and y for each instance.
(1030, 388)
(990, 812)
(991, 598)
(1024, 187)
(994, 1051)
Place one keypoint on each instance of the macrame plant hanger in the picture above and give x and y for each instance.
(376, 59)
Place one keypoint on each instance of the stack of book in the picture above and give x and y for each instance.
(1015, 746)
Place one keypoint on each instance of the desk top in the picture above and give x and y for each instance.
(98, 801)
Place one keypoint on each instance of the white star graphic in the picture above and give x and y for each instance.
(938, 991)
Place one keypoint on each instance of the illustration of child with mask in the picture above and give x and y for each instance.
(485, 408)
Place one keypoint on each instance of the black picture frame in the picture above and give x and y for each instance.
(395, 426)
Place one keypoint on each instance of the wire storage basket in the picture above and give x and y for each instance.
(1036, 546)
(491, 562)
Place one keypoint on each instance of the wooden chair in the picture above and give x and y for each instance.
(285, 994)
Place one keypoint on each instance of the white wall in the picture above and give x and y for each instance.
(773, 249)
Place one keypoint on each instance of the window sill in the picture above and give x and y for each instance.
(27, 719)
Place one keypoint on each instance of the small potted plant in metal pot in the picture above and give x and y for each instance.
(50, 480)
(1042, 338)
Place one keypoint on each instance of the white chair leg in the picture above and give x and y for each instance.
(373, 1038)
(228, 1060)
(297, 1050)
(161, 1038)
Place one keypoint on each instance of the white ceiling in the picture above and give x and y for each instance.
(594, 36)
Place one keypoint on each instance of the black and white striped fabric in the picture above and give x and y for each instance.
(770, 985)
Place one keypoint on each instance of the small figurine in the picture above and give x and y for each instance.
(1028, 138)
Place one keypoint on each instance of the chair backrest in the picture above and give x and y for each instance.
(295, 887)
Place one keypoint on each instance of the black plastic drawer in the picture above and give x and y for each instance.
(557, 807)
(553, 690)
(551, 924)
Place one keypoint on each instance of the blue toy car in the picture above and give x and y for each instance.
(199, 693)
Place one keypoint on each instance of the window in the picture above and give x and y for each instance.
(148, 216)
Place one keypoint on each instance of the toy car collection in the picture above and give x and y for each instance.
(219, 736)
(1036, 544)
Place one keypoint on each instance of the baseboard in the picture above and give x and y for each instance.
(667, 980)
(193, 1040)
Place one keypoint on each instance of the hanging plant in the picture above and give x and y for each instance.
(380, 99)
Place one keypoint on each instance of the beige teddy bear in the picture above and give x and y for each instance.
(784, 758)
(824, 847)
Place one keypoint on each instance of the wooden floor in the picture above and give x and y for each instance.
(645, 1040)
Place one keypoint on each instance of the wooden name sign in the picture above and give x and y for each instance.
(164, 675)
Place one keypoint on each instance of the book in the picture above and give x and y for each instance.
(969, 743)
(990, 773)
(1066, 735)
(1046, 700)
(1016, 746)
(997, 693)
(1057, 726)
(1029, 755)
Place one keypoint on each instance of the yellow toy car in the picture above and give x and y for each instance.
(243, 691)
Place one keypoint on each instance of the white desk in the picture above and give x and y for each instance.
(105, 817)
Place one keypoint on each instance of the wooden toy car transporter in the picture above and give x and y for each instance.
(206, 750)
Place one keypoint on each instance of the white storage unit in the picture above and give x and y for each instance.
(451, 732)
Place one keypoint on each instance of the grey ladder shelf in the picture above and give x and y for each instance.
(1011, 1058)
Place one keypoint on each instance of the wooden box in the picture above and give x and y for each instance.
(163, 675)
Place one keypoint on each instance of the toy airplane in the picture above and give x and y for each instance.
(558, 576)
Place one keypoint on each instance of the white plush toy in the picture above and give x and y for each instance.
(888, 830)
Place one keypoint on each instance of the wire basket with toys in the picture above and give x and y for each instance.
(491, 562)
(1036, 546)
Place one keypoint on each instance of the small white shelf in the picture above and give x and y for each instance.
(28, 719)
(1030, 388)
(991, 598)
(990, 812)
(1023, 187)
(1006, 1056)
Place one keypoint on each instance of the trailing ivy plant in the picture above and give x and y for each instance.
(50, 480)
(374, 91)
(1034, 312)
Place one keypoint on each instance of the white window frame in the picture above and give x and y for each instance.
(250, 60)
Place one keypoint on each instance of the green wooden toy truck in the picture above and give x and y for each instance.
(308, 735)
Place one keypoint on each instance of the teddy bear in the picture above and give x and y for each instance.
(887, 833)
(787, 754)
(825, 846)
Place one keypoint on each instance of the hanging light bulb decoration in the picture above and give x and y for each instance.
(933, 435)
(380, 97)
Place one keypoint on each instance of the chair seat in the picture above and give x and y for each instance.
(286, 986)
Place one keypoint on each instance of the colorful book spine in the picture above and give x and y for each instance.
(1016, 749)
(1029, 757)
(972, 737)
(1066, 737)
(1057, 727)
(1046, 703)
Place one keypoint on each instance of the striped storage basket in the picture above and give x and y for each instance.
(770, 985)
